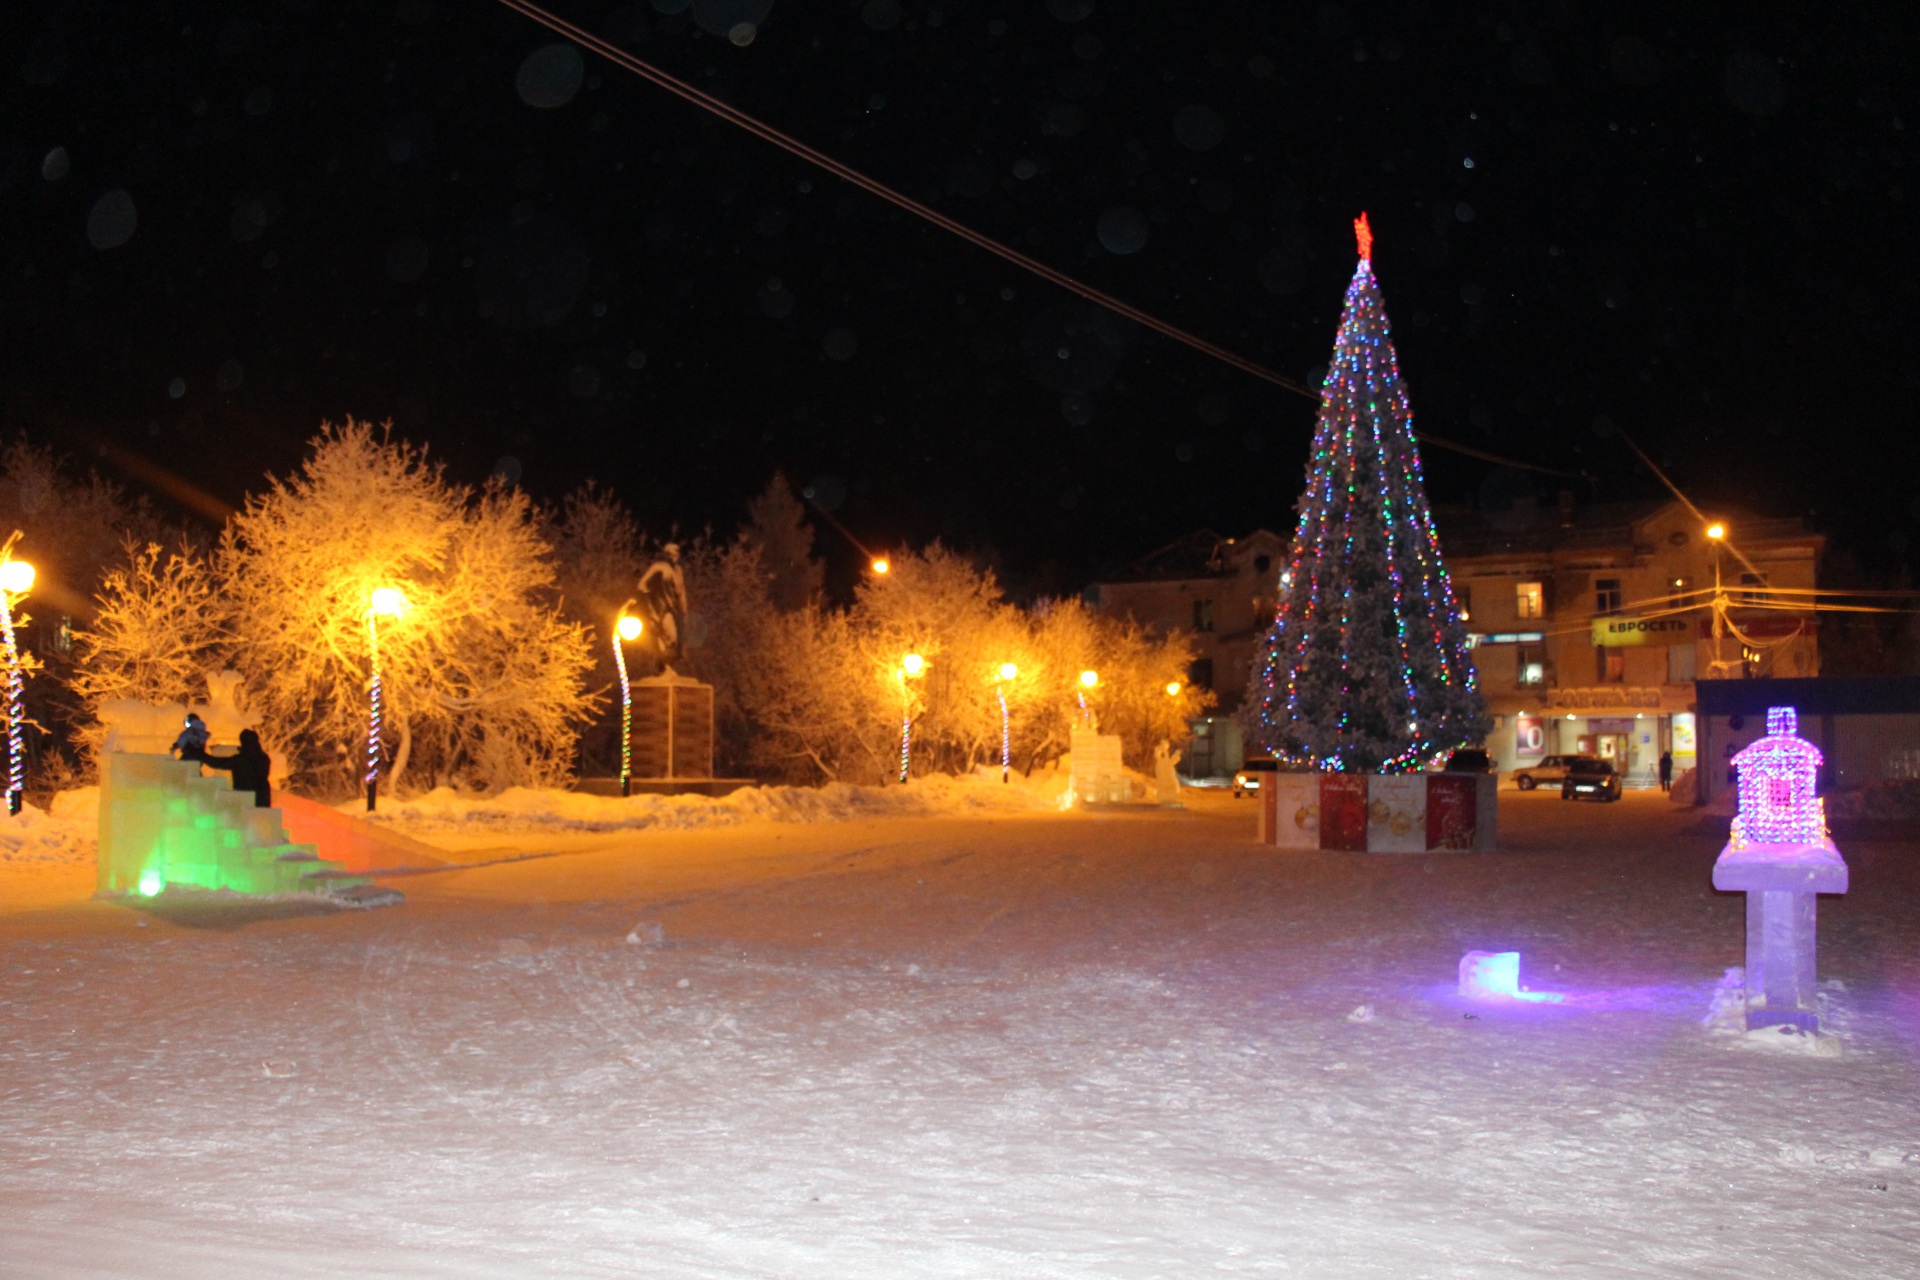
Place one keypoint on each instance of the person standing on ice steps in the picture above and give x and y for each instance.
(249, 766)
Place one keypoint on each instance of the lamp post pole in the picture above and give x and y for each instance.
(626, 628)
(1007, 672)
(16, 578)
(387, 601)
(910, 666)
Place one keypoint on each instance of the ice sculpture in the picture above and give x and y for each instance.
(1495, 975)
(1779, 854)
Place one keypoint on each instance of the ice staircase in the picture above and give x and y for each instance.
(162, 823)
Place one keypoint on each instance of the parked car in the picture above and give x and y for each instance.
(1550, 769)
(1590, 779)
(1247, 780)
(1469, 760)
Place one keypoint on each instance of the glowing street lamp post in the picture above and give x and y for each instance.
(16, 579)
(627, 628)
(910, 667)
(386, 602)
(1007, 672)
(1088, 680)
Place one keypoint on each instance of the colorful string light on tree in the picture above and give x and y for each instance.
(1366, 666)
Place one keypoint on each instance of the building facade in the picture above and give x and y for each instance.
(1220, 592)
(1590, 623)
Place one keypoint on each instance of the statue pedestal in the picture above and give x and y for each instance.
(1781, 881)
(672, 727)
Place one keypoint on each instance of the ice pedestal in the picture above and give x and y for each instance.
(1781, 881)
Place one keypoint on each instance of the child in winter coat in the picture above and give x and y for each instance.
(193, 738)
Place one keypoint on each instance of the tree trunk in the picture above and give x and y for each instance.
(400, 757)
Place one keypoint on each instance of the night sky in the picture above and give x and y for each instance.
(1692, 221)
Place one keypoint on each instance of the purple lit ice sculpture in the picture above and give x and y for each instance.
(1780, 856)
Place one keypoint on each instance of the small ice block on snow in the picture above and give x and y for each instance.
(1495, 975)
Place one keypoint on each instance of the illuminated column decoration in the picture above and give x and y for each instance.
(16, 579)
(1366, 666)
(1007, 672)
(386, 602)
(627, 628)
(910, 667)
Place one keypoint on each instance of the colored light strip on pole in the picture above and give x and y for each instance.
(627, 628)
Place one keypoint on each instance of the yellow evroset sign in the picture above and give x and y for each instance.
(1616, 631)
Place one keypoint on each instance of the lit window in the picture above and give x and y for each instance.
(1529, 600)
(1612, 665)
(1530, 666)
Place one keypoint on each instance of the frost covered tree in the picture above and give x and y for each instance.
(1366, 667)
(159, 626)
(778, 531)
(484, 679)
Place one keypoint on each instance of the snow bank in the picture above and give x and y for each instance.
(522, 809)
(34, 838)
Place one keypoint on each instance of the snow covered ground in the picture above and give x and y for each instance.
(1022, 1044)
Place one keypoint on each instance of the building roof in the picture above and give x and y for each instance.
(1200, 554)
(1529, 528)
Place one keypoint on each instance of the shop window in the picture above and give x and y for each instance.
(1529, 600)
(1203, 615)
(1606, 595)
(1530, 665)
(1609, 665)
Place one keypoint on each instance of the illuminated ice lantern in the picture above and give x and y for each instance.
(1495, 975)
(1779, 854)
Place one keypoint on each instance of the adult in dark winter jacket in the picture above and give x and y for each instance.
(249, 767)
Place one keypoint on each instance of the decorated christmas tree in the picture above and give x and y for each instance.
(1366, 668)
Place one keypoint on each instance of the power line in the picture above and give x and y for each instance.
(786, 142)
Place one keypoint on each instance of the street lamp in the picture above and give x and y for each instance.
(910, 668)
(880, 565)
(1088, 680)
(627, 628)
(385, 602)
(1007, 672)
(1173, 688)
(16, 579)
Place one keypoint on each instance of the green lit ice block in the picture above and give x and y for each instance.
(162, 824)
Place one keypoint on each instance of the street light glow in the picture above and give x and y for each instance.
(880, 564)
(1089, 678)
(16, 577)
(1173, 688)
(629, 627)
(388, 602)
(1716, 531)
(1008, 671)
(913, 664)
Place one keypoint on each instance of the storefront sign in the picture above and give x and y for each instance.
(1683, 744)
(1529, 736)
(1617, 631)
